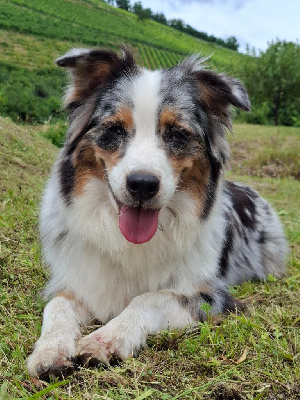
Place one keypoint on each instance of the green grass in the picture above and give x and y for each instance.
(96, 23)
(276, 154)
(33, 33)
(248, 356)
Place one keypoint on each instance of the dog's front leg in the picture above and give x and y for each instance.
(54, 352)
(124, 335)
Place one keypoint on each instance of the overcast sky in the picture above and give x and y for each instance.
(255, 22)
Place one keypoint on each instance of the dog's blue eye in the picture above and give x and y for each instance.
(111, 137)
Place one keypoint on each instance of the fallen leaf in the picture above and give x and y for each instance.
(243, 357)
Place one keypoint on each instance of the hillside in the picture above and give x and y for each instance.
(203, 363)
(33, 33)
(94, 23)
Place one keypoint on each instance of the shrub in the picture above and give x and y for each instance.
(30, 96)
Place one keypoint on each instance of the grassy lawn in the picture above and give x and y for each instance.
(248, 356)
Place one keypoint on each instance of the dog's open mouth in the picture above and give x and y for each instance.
(138, 225)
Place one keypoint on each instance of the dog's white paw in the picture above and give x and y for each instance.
(51, 358)
(108, 344)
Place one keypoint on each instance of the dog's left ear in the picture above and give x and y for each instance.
(218, 91)
(91, 68)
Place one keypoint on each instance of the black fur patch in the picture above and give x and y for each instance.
(67, 178)
(193, 304)
(262, 237)
(243, 204)
(112, 137)
(71, 146)
(215, 169)
(231, 304)
(207, 298)
(60, 238)
(227, 247)
(71, 108)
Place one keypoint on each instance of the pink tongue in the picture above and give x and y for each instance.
(138, 225)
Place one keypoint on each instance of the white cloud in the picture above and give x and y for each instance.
(237, 4)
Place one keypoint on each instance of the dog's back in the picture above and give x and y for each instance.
(254, 245)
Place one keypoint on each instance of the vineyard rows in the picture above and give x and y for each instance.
(94, 23)
(35, 32)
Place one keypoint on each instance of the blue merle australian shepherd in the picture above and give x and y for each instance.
(138, 224)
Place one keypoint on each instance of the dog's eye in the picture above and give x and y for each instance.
(176, 138)
(111, 137)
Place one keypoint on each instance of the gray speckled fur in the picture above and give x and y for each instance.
(258, 244)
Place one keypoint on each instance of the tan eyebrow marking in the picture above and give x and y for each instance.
(123, 117)
(170, 117)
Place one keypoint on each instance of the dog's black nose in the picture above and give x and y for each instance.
(142, 187)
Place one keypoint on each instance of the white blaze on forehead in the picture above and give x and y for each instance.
(146, 100)
(143, 153)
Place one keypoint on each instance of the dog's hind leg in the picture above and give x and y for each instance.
(54, 352)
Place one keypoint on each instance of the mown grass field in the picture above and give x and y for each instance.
(247, 356)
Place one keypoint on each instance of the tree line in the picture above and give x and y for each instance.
(272, 79)
(178, 24)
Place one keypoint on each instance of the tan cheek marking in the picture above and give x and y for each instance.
(91, 162)
(110, 159)
(86, 167)
(193, 177)
(180, 165)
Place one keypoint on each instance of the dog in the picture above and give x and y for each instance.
(138, 224)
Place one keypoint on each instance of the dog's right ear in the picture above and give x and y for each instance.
(91, 68)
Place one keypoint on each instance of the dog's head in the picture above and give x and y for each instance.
(148, 134)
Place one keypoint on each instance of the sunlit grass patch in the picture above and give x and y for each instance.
(274, 154)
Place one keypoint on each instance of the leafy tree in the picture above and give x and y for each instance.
(124, 4)
(142, 13)
(177, 24)
(160, 17)
(232, 43)
(273, 81)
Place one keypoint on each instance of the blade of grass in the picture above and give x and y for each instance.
(218, 379)
(47, 390)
